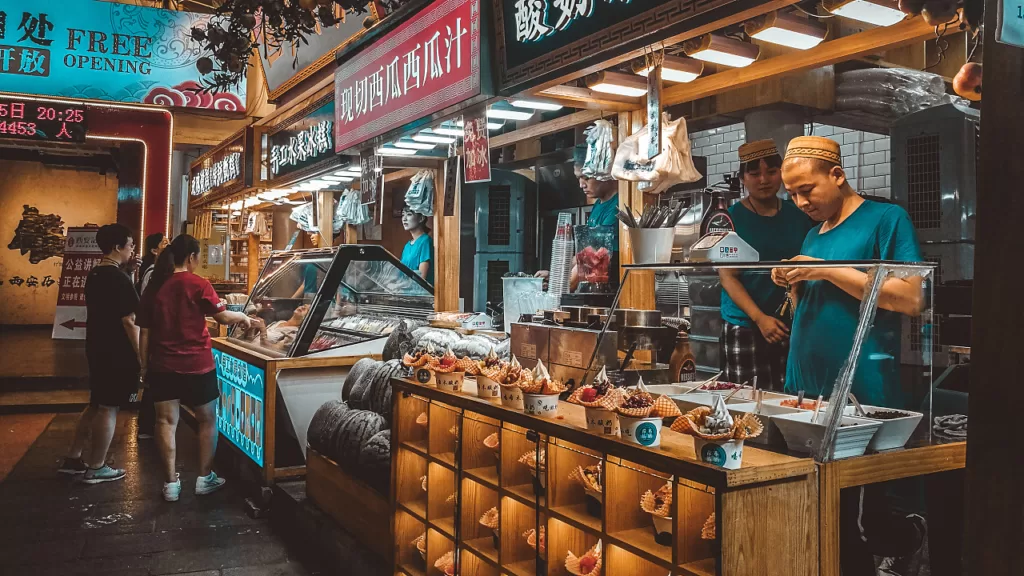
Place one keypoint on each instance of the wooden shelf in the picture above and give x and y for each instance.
(446, 459)
(411, 570)
(419, 447)
(524, 493)
(416, 508)
(486, 476)
(577, 515)
(445, 526)
(640, 541)
(484, 548)
(704, 567)
(524, 568)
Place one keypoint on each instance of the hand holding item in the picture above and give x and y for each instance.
(786, 277)
(773, 329)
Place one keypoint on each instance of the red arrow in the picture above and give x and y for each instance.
(72, 324)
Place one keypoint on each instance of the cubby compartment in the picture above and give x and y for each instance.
(437, 546)
(412, 423)
(518, 557)
(564, 538)
(441, 498)
(478, 500)
(618, 560)
(520, 479)
(472, 565)
(444, 432)
(569, 499)
(694, 505)
(627, 523)
(411, 471)
(481, 448)
(408, 531)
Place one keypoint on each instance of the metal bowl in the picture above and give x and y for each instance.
(632, 318)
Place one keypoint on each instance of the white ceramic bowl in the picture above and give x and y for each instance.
(893, 433)
(771, 436)
(803, 436)
(687, 402)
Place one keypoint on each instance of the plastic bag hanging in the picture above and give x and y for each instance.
(600, 150)
(420, 196)
(351, 210)
(302, 215)
(673, 166)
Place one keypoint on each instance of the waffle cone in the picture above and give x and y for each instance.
(531, 539)
(649, 504)
(492, 441)
(469, 366)
(446, 563)
(746, 426)
(495, 373)
(423, 482)
(609, 401)
(572, 563)
(412, 362)
(707, 532)
(635, 412)
(578, 475)
(490, 518)
(422, 419)
(664, 407)
(421, 542)
(530, 460)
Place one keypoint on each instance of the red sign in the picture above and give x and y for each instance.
(428, 63)
(476, 150)
(80, 255)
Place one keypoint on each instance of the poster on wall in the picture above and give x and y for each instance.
(240, 412)
(81, 253)
(476, 149)
(87, 49)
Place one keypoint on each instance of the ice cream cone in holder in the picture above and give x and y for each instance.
(589, 564)
(659, 505)
(490, 520)
(508, 382)
(449, 372)
(540, 395)
(590, 478)
(599, 400)
(718, 436)
(421, 545)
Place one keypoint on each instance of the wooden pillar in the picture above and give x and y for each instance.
(995, 454)
(253, 248)
(446, 247)
(326, 222)
(638, 292)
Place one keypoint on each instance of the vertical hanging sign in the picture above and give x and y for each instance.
(654, 112)
(80, 255)
(476, 150)
(451, 181)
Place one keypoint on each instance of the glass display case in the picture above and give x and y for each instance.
(321, 301)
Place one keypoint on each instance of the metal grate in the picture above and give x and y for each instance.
(495, 270)
(499, 217)
(923, 181)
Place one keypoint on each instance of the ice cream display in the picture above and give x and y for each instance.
(490, 520)
(488, 371)
(659, 505)
(718, 436)
(532, 540)
(590, 478)
(508, 381)
(540, 395)
(449, 372)
(589, 564)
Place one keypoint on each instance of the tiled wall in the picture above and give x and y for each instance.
(865, 155)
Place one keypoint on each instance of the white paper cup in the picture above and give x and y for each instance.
(725, 453)
(451, 382)
(643, 431)
(425, 376)
(542, 405)
(601, 421)
(651, 245)
(487, 388)
(512, 397)
(662, 525)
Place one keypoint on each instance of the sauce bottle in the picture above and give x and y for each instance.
(683, 364)
(717, 219)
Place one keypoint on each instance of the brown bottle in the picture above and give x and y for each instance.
(683, 364)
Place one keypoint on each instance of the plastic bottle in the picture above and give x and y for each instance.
(683, 363)
(717, 219)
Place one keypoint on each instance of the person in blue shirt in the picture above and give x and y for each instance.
(754, 338)
(603, 214)
(828, 299)
(418, 253)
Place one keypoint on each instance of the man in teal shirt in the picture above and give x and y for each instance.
(605, 194)
(829, 299)
(418, 253)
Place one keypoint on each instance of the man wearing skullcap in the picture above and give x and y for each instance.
(828, 299)
(754, 334)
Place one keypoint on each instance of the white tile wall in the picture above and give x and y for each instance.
(865, 155)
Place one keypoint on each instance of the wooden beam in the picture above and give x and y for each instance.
(447, 237)
(586, 98)
(550, 127)
(846, 48)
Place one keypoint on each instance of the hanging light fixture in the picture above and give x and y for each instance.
(453, 129)
(389, 150)
(785, 29)
(435, 137)
(491, 125)
(673, 68)
(721, 50)
(413, 144)
(535, 103)
(505, 111)
(877, 12)
(616, 83)
(344, 179)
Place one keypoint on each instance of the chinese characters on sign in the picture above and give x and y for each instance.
(309, 143)
(240, 410)
(221, 172)
(81, 254)
(476, 150)
(430, 62)
(532, 16)
(41, 121)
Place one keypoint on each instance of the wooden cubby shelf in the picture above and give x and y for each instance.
(472, 448)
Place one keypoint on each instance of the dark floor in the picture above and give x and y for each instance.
(50, 524)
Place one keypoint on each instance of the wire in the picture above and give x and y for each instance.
(977, 42)
(941, 43)
(812, 14)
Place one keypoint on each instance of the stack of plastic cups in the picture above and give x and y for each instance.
(563, 254)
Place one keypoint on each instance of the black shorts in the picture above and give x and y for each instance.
(112, 386)
(193, 389)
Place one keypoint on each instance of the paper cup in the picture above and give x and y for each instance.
(725, 453)
(451, 382)
(542, 405)
(662, 530)
(425, 376)
(643, 431)
(487, 388)
(512, 397)
(601, 421)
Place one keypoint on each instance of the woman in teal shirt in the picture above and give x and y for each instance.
(418, 253)
(754, 340)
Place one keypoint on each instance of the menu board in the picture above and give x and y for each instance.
(240, 413)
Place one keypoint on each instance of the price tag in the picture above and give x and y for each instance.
(1011, 23)
(572, 358)
(528, 350)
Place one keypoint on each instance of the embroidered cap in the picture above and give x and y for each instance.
(757, 149)
(815, 147)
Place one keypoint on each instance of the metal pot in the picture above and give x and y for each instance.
(582, 313)
(632, 318)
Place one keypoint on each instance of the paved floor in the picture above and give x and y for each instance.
(50, 524)
(17, 433)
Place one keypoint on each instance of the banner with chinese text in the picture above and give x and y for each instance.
(476, 150)
(86, 49)
(80, 254)
(426, 64)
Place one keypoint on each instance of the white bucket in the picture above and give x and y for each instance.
(487, 388)
(725, 453)
(601, 421)
(651, 245)
(512, 397)
(451, 382)
(425, 376)
(543, 405)
(643, 431)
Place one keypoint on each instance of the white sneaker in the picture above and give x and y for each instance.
(172, 490)
(209, 484)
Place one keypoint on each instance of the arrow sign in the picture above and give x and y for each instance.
(72, 324)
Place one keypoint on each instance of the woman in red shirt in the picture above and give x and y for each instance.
(177, 357)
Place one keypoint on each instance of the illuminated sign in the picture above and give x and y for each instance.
(241, 411)
(313, 142)
(426, 64)
(42, 121)
(302, 140)
(221, 172)
(120, 52)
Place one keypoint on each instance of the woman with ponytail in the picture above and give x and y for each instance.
(177, 357)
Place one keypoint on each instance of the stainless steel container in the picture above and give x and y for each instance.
(633, 318)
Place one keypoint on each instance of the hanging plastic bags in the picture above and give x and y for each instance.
(303, 217)
(351, 210)
(600, 151)
(420, 196)
(673, 166)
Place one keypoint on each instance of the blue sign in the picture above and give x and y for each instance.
(241, 410)
(88, 49)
